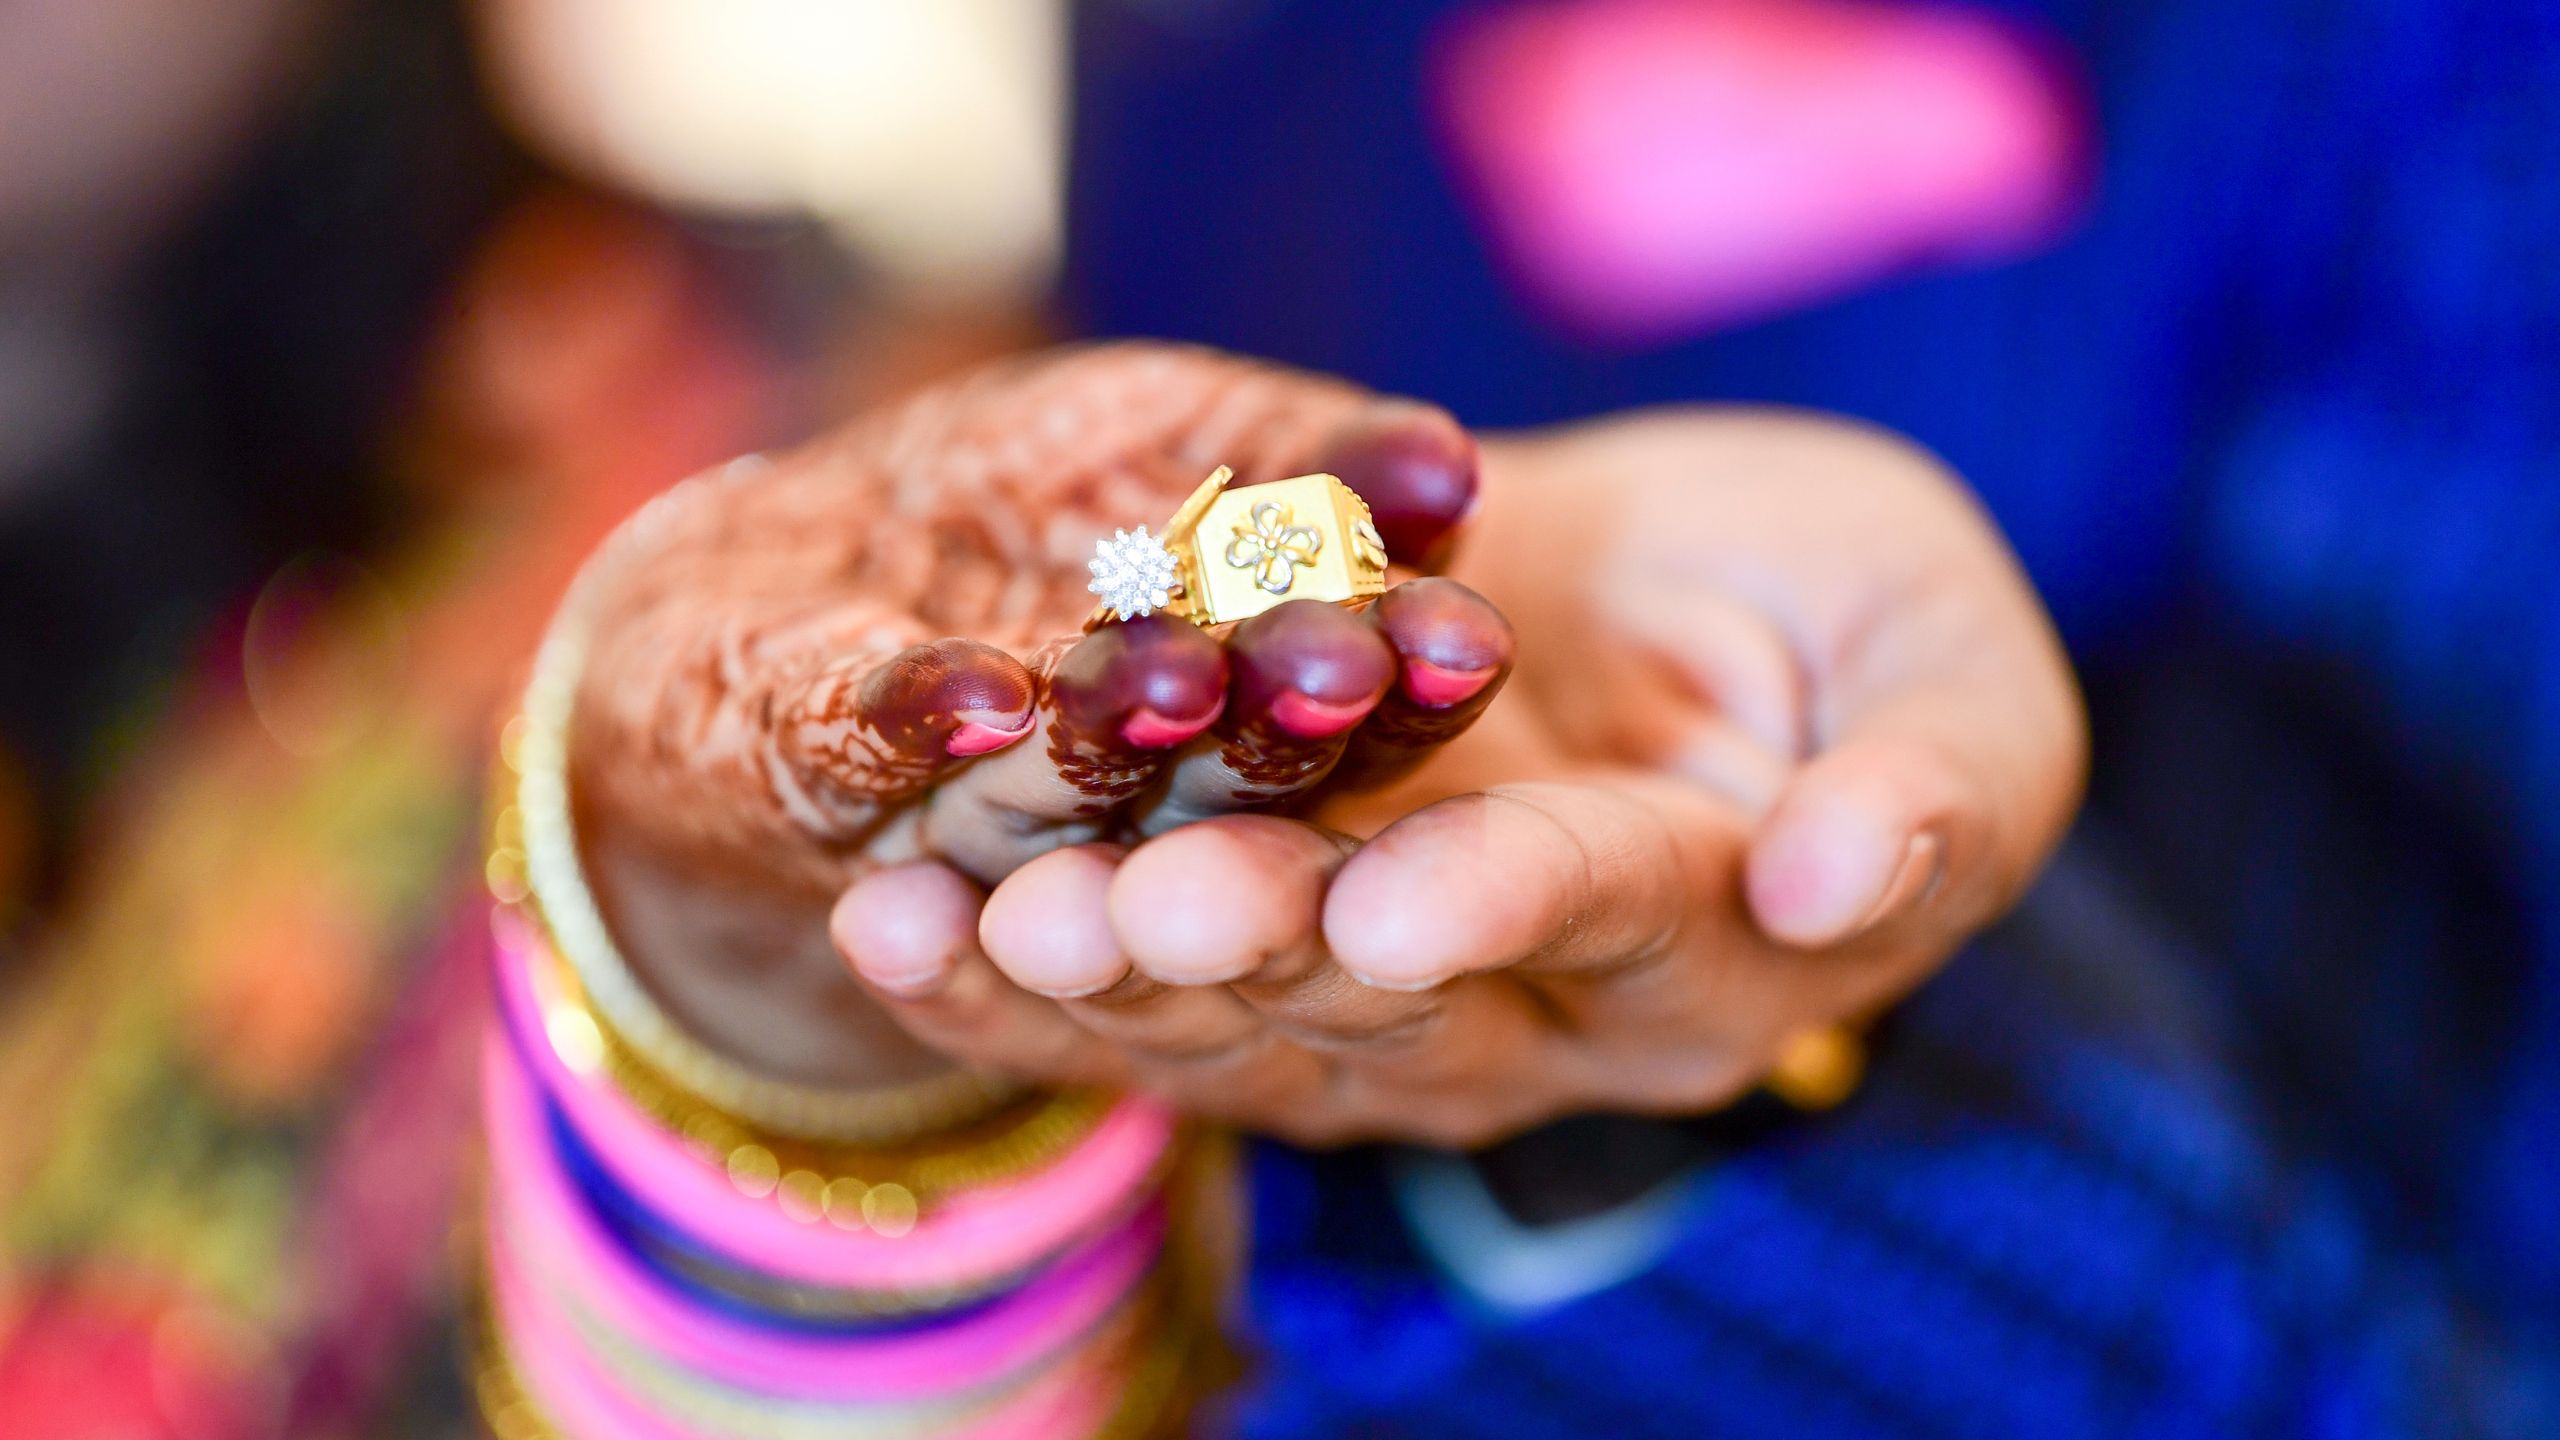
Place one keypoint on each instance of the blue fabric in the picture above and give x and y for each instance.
(2266, 1144)
(2056, 1210)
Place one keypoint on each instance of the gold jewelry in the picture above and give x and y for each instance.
(505, 1407)
(879, 1188)
(542, 867)
(1229, 554)
(1818, 1068)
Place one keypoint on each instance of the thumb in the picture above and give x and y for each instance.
(1937, 796)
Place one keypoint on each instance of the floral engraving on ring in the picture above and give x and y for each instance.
(1272, 547)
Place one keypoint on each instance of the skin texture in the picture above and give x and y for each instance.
(1785, 727)
(871, 651)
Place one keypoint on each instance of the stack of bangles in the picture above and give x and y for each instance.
(681, 1248)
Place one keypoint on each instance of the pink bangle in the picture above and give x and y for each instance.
(536, 1213)
(967, 1240)
(573, 1392)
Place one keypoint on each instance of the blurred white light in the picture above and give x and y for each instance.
(929, 133)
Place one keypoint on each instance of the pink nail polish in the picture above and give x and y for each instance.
(1438, 685)
(1149, 730)
(1315, 719)
(974, 737)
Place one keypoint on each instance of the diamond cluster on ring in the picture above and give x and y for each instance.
(1133, 572)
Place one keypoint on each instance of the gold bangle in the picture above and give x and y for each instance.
(543, 867)
(506, 1408)
(1186, 1357)
(881, 1188)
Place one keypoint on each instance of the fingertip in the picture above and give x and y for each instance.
(1416, 466)
(1837, 858)
(1450, 642)
(978, 737)
(902, 928)
(962, 697)
(1314, 669)
(1048, 925)
(1152, 683)
(1210, 903)
(1431, 897)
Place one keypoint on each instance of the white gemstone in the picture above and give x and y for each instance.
(1133, 572)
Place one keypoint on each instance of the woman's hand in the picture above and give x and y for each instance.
(1787, 728)
(870, 652)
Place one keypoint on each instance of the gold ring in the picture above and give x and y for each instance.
(1229, 554)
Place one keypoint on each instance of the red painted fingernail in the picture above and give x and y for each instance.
(1438, 685)
(944, 700)
(1150, 730)
(1315, 719)
(1151, 683)
(976, 737)
(1313, 668)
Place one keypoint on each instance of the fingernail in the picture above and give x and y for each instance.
(1313, 719)
(1077, 992)
(1914, 880)
(1439, 686)
(1315, 669)
(969, 696)
(1452, 641)
(1152, 683)
(1401, 987)
(911, 984)
(1149, 729)
(977, 737)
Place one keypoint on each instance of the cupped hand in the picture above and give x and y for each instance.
(871, 652)
(1787, 727)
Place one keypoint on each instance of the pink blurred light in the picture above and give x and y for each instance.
(1651, 169)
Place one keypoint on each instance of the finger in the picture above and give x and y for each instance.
(1931, 808)
(1301, 675)
(864, 734)
(1239, 901)
(1692, 644)
(909, 932)
(1555, 877)
(1115, 706)
(1415, 466)
(1234, 898)
(1453, 650)
(1048, 928)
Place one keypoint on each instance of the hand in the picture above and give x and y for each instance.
(870, 651)
(1787, 728)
